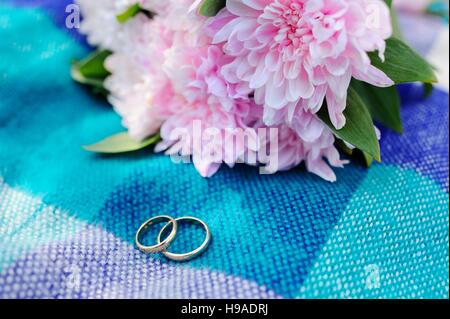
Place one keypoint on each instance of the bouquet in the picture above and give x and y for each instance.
(270, 83)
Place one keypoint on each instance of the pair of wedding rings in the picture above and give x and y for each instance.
(163, 244)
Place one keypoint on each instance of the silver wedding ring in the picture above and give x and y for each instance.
(163, 245)
(192, 254)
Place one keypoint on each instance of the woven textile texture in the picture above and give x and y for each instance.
(68, 217)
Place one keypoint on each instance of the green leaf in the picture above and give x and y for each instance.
(78, 77)
(359, 130)
(91, 70)
(403, 64)
(388, 2)
(209, 8)
(341, 144)
(129, 13)
(368, 159)
(355, 153)
(382, 103)
(121, 143)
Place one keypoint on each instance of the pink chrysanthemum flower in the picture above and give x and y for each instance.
(300, 52)
(293, 150)
(201, 98)
(209, 78)
(206, 126)
(166, 77)
(307, 140)
(140, 86)
(213, 102)
(137, 85)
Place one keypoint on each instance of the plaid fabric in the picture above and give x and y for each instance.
(68, 217)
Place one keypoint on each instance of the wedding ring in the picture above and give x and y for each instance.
(194, 253)
(162, 245)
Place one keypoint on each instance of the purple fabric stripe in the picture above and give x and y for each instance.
(99, 265)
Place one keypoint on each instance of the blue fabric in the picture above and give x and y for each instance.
(68, 217)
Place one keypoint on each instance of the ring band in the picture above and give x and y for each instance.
(194, 253)
(162, 245)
